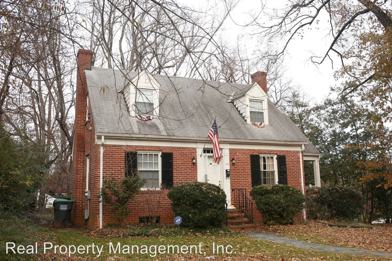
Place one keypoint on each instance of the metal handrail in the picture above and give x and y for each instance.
(243, 202)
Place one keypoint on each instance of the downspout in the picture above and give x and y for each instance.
(87, 190)
(301, 162)
(101, 181)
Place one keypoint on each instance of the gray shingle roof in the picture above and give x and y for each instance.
(187, 110)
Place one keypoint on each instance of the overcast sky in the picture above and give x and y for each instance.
(314, 80)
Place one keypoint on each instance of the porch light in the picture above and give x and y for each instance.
(193, 160)
(233, 161)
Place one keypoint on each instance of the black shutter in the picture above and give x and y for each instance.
(255, 170)
(282, 170)
(167, 170)
(130, 163)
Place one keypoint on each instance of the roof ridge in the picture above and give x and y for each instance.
(171, 77)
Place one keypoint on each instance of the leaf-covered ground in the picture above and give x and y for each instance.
(23, 231)
(375, 237)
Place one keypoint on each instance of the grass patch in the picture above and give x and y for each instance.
(23, 231)
(346, 223)
(243, 246)
(375, 237)
(155, 231)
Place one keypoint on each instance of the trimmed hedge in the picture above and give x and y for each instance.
(335, 203)
(200, 205)
(278, 203)
(313, 208)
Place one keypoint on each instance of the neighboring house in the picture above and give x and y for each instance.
(158, 127)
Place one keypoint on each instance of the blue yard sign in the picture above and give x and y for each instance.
(177, 220)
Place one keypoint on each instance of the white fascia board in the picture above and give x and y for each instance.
(311, 157)
(199, 144)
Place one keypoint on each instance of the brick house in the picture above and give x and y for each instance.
(158, 126)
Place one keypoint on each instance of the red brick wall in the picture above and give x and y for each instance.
(156, 203)
(84, 61)
(241, 172)
(146, 203)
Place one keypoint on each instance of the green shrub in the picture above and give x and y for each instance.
(23, 167)
(339, 203)
(313, 208)
(118, 194)
(278, 203)
(200, 205)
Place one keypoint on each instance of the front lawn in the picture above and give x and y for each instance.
(22, 231)
(372, 237)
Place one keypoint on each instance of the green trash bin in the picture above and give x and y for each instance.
(62, 211)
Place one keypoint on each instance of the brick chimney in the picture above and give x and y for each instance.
(84, 62)
(261, 79)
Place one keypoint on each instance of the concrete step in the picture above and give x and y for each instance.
(234, 212)
(238, 221)
(235, 215)
(242, 227)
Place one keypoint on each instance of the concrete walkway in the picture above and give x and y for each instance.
(318, 247)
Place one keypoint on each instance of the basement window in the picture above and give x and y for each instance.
(148, 220)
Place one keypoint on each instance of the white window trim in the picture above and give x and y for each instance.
(159, 169)
(275, 166)
(265, 109)
(142, 81)
(256, 110)
(153, 100)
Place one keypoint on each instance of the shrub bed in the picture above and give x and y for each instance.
(338, 203)
(200, 205)
(278, 203)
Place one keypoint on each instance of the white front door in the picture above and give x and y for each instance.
(212, 171)
(217, 174)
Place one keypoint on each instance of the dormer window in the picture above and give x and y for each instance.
(142, 96)
(144, 102)
(256, 111)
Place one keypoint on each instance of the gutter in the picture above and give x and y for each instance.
(301, 163)
(101, 182)
(190, 139)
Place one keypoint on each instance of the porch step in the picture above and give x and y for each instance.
(242, 227)
(237, 221)
(233, 215)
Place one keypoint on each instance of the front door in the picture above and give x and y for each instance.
(212, 171)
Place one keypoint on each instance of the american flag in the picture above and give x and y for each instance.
(214, 137)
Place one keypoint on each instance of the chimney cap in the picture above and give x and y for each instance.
(260, 77)
(85, 51)
(258, 73)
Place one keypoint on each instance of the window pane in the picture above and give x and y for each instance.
(256, 105)
(144, 95)
(148, 161)
(145, 108)
(256, 116)
(150, 178)
(270, 163)
(267, 177)
(267, 163)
